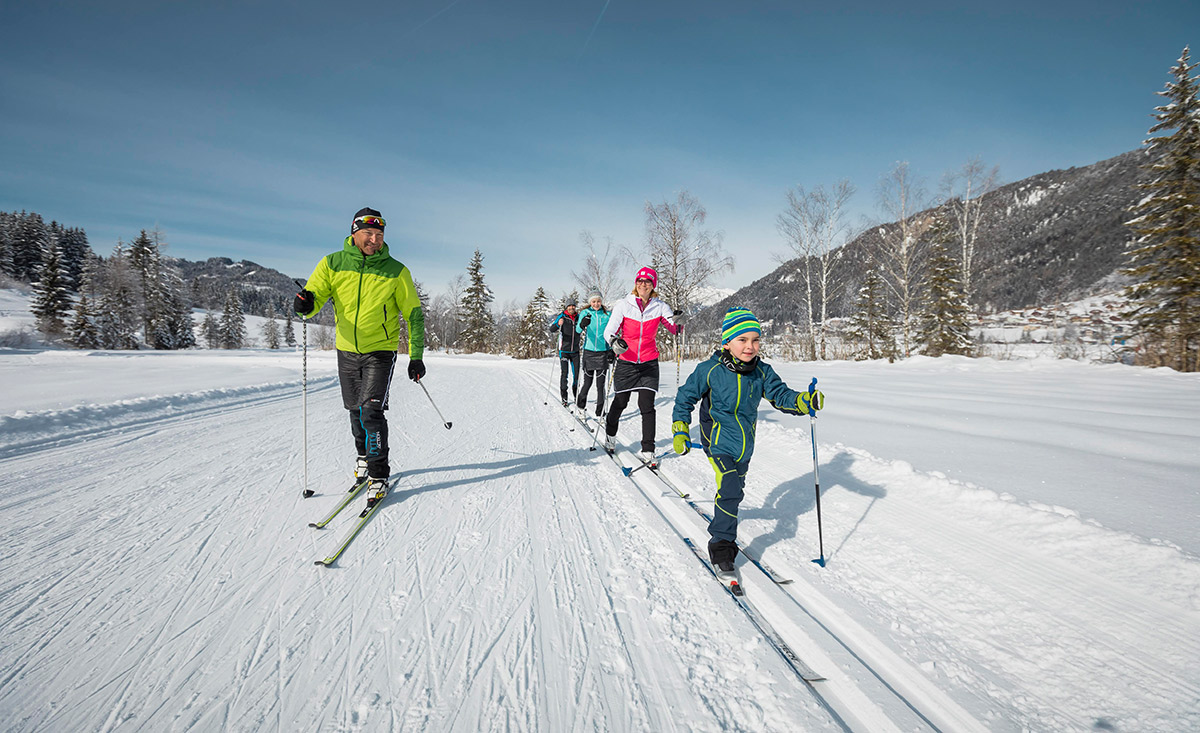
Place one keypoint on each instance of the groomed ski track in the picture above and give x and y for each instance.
(160, 578)
(157, 575)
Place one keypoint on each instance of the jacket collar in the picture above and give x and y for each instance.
(736, 365)
(382, 254)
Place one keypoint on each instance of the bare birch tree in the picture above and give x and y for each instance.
(814, 225)
(963, 191)
(900, 248)
(601, 269)
(686, 256)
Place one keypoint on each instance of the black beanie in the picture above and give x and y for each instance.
(355, 224)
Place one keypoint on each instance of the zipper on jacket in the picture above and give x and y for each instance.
(362, 268)
(737, 419)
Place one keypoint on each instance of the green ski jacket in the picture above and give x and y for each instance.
(369, 294)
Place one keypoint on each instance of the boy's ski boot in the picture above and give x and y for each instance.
(727, 574)
(722, 553)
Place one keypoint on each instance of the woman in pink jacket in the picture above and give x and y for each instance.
(631, 331)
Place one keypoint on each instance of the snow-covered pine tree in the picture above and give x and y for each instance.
(532, 339)
(1165, 254)
(233, 322)
(945, 321)
(7, 229)
(118, 318)
(143, 261)
(474, 311)
(171, 316)
(289, 330)
(82, 333)
(211, 330)
(51, 300)
(29, 240)
(270, 332)
(870, 324)
(73, 243)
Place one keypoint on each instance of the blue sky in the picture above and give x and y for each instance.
(255, 130)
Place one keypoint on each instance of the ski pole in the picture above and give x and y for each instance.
(435, 407)
(607, 403)
(550, 387)
(305, 492)
(812, 425)
(665, 454)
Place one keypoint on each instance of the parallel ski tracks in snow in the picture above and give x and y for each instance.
(852, 697)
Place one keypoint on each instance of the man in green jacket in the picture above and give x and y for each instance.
(370, 292)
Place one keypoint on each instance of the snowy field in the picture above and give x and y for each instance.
(1011, 546)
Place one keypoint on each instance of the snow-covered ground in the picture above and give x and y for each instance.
(1011, 546)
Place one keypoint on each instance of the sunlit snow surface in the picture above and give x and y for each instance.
(1024, 535)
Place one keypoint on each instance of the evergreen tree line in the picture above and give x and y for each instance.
(25, 243)
(125, 301)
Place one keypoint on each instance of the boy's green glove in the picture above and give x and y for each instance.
(808, 404)
(682, 437)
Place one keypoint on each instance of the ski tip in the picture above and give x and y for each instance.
(307, 493)
(820, 561)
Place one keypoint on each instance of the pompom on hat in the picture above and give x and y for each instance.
(736, 322)
(647, 272)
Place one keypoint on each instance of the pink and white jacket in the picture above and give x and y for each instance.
(638, 326)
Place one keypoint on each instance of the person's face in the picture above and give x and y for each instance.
(745, 346)
(644, 286)
(596, 304)
(368, 241)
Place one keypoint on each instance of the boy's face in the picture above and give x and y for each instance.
(745, 346)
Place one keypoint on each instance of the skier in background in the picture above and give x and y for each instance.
(370, 292)
(728, 386)
(568, 350)
(631, 331)
(596, 354)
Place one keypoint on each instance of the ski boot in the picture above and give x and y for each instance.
(360, 473)
(377, 489)
(648, 458)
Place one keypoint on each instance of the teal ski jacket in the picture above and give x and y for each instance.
(728, 392)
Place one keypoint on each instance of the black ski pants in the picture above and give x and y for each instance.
(642, 378)
(565, 358)
(595, 366)
(366, 380)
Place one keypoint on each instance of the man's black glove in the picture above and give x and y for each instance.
(416, 369)
(586, 320)
(304, 303)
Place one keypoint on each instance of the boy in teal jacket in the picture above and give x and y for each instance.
(728, 386)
